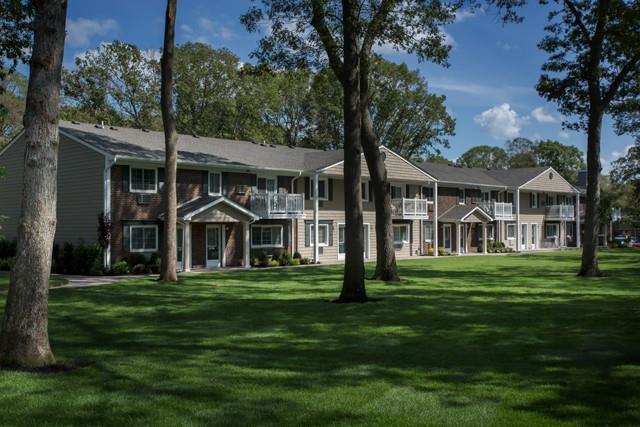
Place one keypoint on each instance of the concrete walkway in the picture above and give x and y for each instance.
(77, 281)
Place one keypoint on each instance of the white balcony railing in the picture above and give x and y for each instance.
(498, 210)
(278, 205)
(561, 212)
(410, 208)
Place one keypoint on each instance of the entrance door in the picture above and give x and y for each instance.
(463, 238)
(213, 246)
(523, 236)
(534, 236)
(446, 237)
(180, 246)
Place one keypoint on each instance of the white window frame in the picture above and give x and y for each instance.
(132, 227)
(366, 230)
(535, 202)
(267, 178)
(514, 231)
(424, 224)
(365, 193)
(215, 193)
(422, 188)
(401, 187)
(489, 232)
(312, 235)
(557, 229)
(281, 245)
(464, 196)
(406, 227)
(155, 174)
(320, 183)
(510, 195)
(486, 196)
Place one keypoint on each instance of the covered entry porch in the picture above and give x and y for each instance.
(458, 231)
(213, 232)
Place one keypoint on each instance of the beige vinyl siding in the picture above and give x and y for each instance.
(549, 181)
(80, 190)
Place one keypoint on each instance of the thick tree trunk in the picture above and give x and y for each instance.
(386, 267)
(589, 265)
(169, 251)
(24, 339)
(353, 286)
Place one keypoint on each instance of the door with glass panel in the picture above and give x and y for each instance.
(534, 236)
(213, 249)
(446, 237)
(341, 250)
(180, 247)
(523, 236)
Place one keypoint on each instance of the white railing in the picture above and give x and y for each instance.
(410, 208)
(498, 210)
(561, 212)
(277, 205)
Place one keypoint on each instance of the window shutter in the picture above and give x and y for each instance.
(160, 237)
(285, 236)
(160, 179)
(125, 238)
(125, 179)
(410, 233)
(254, 183)
(370, 192)
(307, 234)
(225, 183)
(330, 231)
(307, 192)
(330, 184)
(407, 192)
(205, 183)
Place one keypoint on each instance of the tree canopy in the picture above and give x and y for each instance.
(484, 156)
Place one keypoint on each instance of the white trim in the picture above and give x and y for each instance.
(406, 227)
(475, 184)
(514, 225)
(525, 235)
(221, 199)
(464, 196)
(267, 178)
(534, 243)
(10, 143)
(155, 183)
(219, 193)
(366, 236)
(108, 163)
(281, 245)
(477, 208)
(313, 233)
(132, 227)
(575, 190)
(557, 228)
(444, 240)
(221, 248)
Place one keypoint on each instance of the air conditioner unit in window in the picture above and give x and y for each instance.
(144, 199)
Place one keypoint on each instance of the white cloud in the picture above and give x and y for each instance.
(81, 31)
(563, 134)
(506, 46)
(464, 14)
(206, 30)
(542, 117)
(501, 121)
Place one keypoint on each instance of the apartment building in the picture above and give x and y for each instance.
(239, 198)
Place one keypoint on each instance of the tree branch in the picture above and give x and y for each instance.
(578, 19)
(619, 79)
(376, 24)
(319, 23)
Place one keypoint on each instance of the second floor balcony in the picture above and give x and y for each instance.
(410, 208)
(560, 212)
(499, 210)
(278, 205)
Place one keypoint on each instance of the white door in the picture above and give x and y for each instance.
(180, 246)
(534, 236)
(523, 236)
(446, 237)
(463, 238)
(213, 248)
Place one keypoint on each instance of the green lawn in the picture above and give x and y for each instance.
(515, 340)
(4, 281)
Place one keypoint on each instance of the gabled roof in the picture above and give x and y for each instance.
(517, 176)
(460, 175)
(187, 210)
(458, 213)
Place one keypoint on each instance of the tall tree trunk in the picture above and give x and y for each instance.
(386, 267)
(169, 251)
(353, 286)
(24, 340)
(589, 265)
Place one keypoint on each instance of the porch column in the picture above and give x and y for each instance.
(187, 246)
(518, 231)
(316, 221)
(247, 244)
(459, 239)
(578, 237)
(435, 219)
(484, 238)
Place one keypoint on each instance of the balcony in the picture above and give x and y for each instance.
(560, 212)
(278, 205)
(410, 208)
(499, 210)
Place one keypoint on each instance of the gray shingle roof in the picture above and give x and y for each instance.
(457, 174)
(140, 145)
(517, 176)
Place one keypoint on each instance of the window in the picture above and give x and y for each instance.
(427, 232)
(510, 197)
(323, 235)
(461, 196)
(549, 201)
(215, 183)
(396, 191)
(365, 191)
(341, 247)
(401, 234)
(144, 238)
(551, 230)
(266, 185)
(322, 189)
(266, 236)
(533, 200)
(486, 196)
(427, 193)
(489, 232)
(142, 180)
(511, 231)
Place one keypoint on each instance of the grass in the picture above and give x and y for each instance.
(4, 281)
(513, 341)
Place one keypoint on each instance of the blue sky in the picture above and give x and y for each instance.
(489, 84)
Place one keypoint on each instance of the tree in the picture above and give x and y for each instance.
(521, 152)
(168, 271)
(566, 159)
(24, 339)
(12, 99)
(15, 33)
(626, 174)
(484, 156)
(120, 77)
(437, 158)
(592, 70)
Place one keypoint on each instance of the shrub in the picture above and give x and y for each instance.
(295, 261)
(305, 261)
(6, 263)
(441, 251)
(135, 258)
(7, 248)
(66, 258)
(120, 267)
(430, 251)
(97, 268)
(139, 269)
(263, 259)
(296, 255)
(286, 258)
(275, 263)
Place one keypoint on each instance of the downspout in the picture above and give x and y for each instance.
(108, 163)
(294, 229)
(316, 220)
